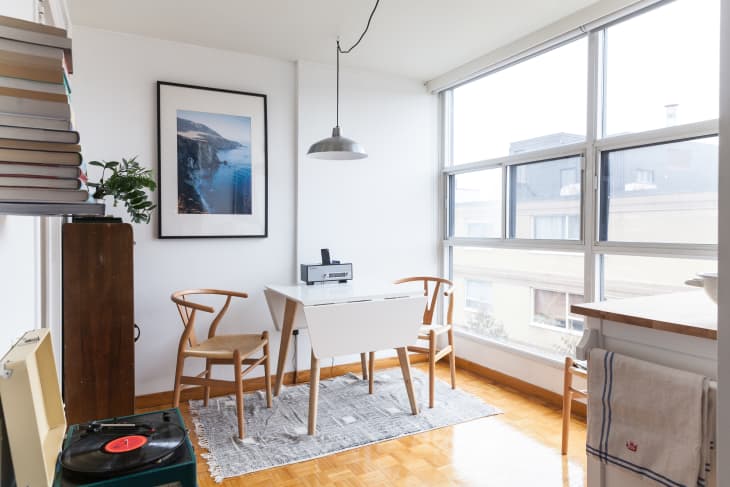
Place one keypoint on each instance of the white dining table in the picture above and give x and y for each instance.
(345, 319)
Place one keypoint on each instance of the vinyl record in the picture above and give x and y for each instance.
(108, 452)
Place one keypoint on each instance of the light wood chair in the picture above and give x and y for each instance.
(570, 392)
(431, 331)
(235, 350)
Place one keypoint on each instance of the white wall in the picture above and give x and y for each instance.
(114, 98)
(21, 9)
(380, 212)
(723, 309)
(18, 278)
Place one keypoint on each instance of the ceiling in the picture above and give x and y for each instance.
(418, 39)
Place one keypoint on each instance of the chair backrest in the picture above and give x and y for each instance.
(432, 293)
(188, 309)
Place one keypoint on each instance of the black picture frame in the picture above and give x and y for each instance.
(190, 120)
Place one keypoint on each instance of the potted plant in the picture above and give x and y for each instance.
(127, 183)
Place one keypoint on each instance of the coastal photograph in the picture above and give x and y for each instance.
(213, 163)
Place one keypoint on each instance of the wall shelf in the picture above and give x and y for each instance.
(52, 209)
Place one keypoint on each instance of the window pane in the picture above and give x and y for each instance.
(660, 193)
(662, 67)
(477, 211)
(547, 198)
(514, 277)
(535, 104)
(629, 276)
(478, 295)
(549, 308)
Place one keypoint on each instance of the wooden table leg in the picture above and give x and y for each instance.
(371, 377)
(286, 330)
(364, 363)
(405, 366)
(313, 393)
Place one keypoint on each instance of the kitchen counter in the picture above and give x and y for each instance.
(690, 313)
(677, 330)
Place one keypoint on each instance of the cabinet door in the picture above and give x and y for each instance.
(98, 321)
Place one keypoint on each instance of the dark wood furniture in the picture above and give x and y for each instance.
(98, 321)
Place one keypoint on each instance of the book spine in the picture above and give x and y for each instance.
(39, 135)
(34, 95)
(24, 106)
(26, 121)
(22, 35)
(12, 169)
(40, 157)
(33, 73)
(31, 85)
(10, 143)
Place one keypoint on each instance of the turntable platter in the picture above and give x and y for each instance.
(106, 452)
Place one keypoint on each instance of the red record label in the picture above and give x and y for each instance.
(125, 444)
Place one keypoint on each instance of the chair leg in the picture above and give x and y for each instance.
(207, 387)
(452, 358)
(267, 371)
(371, 375)
(178, 380)
(239, 392)
(364, 363)
(431, 366)
(567, 403)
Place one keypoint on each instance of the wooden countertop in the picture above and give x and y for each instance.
(690, 313)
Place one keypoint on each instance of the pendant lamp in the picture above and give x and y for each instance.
(338, 147)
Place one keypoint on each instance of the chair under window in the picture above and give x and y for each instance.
(572, 368)
(433, 287)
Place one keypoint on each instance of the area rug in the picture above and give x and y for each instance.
(348, 417)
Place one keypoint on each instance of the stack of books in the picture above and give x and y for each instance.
(40, 156)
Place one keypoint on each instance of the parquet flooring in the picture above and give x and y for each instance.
(518, 448)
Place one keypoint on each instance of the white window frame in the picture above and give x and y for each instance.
(590, 151)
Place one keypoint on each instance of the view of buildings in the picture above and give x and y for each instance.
(659, 193)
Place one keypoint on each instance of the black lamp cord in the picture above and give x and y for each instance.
(347, 51)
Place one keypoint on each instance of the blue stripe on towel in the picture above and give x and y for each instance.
(620, 462)
(610, 356)
(603, 402)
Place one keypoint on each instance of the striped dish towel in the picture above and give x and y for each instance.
(648, 419)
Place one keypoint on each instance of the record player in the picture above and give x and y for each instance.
(151, 449)
(144, 449)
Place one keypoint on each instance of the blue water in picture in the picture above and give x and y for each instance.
(214, 163)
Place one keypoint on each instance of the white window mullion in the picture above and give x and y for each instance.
(663, 135)
(590, 193)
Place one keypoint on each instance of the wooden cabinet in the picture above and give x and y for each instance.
(98, 321)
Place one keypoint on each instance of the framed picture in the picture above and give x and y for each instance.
(212, 162)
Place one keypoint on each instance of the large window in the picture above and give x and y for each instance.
(535, 104)
(545, 211)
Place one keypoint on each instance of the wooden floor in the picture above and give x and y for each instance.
(518, 448)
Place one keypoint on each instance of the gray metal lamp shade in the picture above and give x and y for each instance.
(337, 147)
